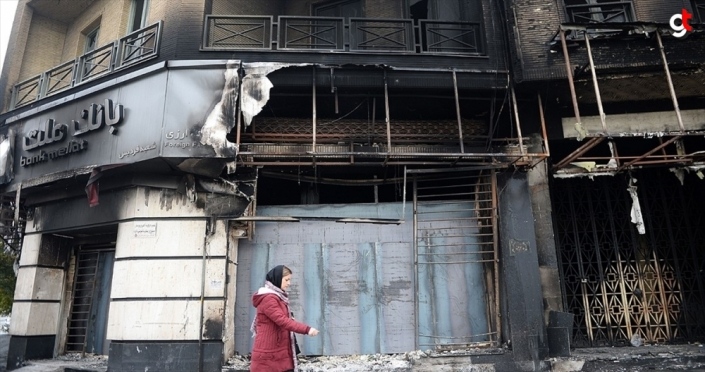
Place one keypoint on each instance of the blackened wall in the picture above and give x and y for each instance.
(534, 24)
(520, 272)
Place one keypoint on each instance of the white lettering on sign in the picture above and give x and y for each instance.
(145, 229)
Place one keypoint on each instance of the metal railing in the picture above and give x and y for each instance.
(451, 37)
(311, 33)
(382, 34)
(238, 32)
(134, 48)
(608, 12)
(337, 34)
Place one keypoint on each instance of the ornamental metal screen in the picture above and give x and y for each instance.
(618, 282)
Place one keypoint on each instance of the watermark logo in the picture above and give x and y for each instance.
(683, 27)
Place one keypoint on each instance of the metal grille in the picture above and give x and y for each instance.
(83, 290)
(455, 240)
(619, 283)
(300, 130)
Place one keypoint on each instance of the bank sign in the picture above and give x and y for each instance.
(177, 114)
(69, 133)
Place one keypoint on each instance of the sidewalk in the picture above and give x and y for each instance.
(608, 359)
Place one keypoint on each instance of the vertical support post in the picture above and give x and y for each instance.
(239, 110)
(518, 125)
(457, 111)
(569, 73)
(495, 246)
(17, 208)
(547, 153)
(403, 200)
(313, 108)
(386, 114)
(670, 82)
(333, 89)
(416, 263)
(598, 97)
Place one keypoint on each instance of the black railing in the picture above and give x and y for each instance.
(136, 47)
(337, 34)
(311, 33)
(450, 37)
(607, 12)
(238, 32)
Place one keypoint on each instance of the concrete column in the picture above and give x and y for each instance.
(168, 296)
(545, 240)
(37, 302)
(520, 273)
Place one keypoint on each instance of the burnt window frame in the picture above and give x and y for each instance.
(629, 13)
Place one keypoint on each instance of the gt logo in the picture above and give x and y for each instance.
(684, 26)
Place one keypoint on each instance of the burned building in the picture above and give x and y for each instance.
(623, 88)
(158, 157)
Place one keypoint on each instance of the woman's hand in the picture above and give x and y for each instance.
(312, 332)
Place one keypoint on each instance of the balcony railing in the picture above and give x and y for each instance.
(134, 48)
(607, 12)
(337, 34)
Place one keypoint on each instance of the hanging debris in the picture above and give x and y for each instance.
(636, 217)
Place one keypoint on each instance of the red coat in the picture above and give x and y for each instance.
(272, 351)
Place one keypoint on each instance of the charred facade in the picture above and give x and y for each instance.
(157, 160)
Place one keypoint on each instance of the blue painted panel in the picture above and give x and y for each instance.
(340, 285)
(355, 282)
(452, 302)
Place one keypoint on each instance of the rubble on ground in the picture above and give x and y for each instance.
(344, 363)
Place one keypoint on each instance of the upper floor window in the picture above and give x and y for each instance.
(346, 8)
(138, 15)
(699, 9)
(91, 40)
(599, 11)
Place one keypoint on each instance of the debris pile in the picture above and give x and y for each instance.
(344, 363)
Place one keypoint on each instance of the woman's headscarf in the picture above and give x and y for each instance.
(275, 275)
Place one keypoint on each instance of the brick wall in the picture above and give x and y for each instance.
(112, 16)
(157, 11)
(16, 47)
(44, 44)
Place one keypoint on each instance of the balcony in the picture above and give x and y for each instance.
(337, 34)
(132, 49)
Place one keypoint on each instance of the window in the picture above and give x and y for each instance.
(138, 15)
(699, 10)
(599, 11)
(91, 40)
(347, 9)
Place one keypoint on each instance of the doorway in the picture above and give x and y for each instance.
(88, 314)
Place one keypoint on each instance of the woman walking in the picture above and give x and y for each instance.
(273, 326)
